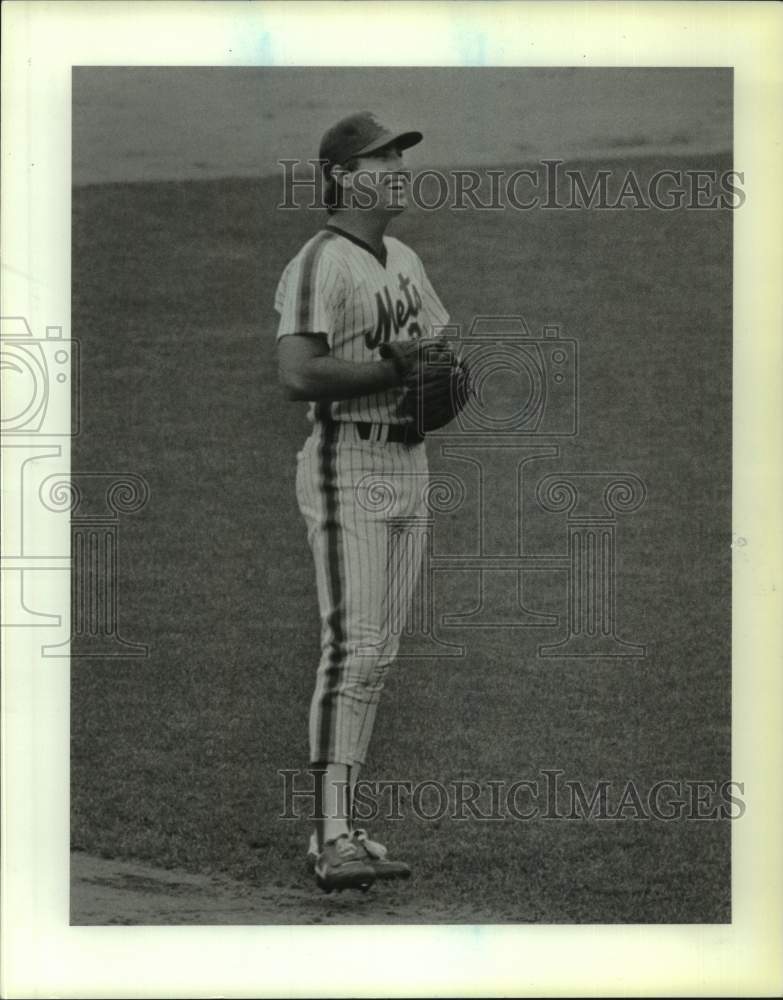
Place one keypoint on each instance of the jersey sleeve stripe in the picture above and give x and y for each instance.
(307, 271)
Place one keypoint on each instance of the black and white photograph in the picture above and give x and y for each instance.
(417, 385)
(399, 493)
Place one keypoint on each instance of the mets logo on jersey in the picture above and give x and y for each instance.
(395, 315)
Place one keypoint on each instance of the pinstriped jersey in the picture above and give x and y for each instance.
(337, 286)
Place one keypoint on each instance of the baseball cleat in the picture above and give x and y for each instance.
(378, 856)
(342, 864)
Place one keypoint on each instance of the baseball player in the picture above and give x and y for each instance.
(355, 308)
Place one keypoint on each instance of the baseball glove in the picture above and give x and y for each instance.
(436, 383)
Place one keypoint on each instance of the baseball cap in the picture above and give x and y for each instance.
(358, 135)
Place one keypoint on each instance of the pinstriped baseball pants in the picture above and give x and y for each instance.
(351, 492)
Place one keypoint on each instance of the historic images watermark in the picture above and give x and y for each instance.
(41, 410)
(548, 185)
(549, 794)
(524, 411)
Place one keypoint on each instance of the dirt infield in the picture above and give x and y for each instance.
(119, 892)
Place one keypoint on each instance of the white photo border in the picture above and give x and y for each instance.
(41, 954)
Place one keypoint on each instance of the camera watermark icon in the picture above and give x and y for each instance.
(523, 385)
(40, 380)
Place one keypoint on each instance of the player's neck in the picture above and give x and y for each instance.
(365, 226)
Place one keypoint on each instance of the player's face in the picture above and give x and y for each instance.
(381, 181)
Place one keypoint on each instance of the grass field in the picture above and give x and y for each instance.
(175, 758)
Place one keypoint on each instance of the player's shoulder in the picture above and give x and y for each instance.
(392, 243)
(317, 244)
(320, 247)
(401, 251)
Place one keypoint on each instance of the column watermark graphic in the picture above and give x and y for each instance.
(95, 558)
(591, 501)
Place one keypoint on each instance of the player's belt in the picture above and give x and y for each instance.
(395, 433)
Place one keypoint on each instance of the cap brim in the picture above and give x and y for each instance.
(402, 139)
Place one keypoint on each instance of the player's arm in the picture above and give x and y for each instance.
(307, 370)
